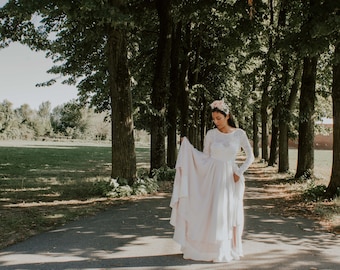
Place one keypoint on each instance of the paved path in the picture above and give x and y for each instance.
(137, 235)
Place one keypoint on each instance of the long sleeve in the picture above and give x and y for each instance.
(207, 143)
(245, 145)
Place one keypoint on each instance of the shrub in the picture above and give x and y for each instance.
(120, 187)
(145, 186)
(98, 188)
(101, 188)
(314, 192)
(142, 186)
(164, 174)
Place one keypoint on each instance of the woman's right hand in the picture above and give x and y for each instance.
(236, 178)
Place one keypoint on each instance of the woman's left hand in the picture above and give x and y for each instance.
(236, 178)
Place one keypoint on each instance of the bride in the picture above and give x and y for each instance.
(207, 199)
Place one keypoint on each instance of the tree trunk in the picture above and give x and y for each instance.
(173, 97)
(255, 132)
(275, 135)
(305, 164)
(285, 119)
(183, 100)
(203, 123)
(334, 184)
(193, 72)
(264, 117)
(200, 95)
(159, 87)
(283, 146)
(265, 86)
(283, 113)
(123, 145)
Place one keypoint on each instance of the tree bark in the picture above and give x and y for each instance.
(183, 100)
(283, 146)
(123, 145)
(334, 184)
(203, 120)
(264, 116)
(199, 114)
(195, 101)
(255, 131)
(285, 119)
(283, 115)
(159, 88)
(305, 164)
(265, 86)
(173, 97)
(275, 135)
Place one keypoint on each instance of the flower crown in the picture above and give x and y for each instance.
(220, 105)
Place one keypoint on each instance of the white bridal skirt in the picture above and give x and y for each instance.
(206, 207)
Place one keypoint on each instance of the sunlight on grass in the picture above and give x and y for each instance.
(45, 184)
(54, 203)
(322, 163)
(25, 189)
(55, 216)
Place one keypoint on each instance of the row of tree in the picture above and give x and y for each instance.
(70, 120)
(159, 63)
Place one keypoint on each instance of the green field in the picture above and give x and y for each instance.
(322, 163)
(46, 184)
(48, 171)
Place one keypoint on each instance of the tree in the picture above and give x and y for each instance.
(42, 123)
(274, 136)
(334, 183)
(269, 63)
(8, 121)
(305, 165)
(160, 89)
(286, 95)
(73, 118)
(123, 147)
(173, 95)
(89, 40)
(285, 119)
(255, 131)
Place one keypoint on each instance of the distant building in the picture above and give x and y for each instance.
(323, 141)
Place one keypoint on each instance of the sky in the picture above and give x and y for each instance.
(21, 69)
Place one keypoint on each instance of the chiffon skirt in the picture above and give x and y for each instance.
(206, 206)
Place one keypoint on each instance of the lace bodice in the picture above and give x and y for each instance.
(226, 146)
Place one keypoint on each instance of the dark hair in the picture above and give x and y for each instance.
(231, 121)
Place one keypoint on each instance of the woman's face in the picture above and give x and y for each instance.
(220, 120)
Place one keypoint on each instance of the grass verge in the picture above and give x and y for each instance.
(44, 185)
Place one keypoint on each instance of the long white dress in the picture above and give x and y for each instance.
(206, 202)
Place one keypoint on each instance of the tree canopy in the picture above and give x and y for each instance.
(162, 62)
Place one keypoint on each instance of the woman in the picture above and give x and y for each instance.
(207, 199)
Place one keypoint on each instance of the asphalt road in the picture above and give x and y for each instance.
(137, 235)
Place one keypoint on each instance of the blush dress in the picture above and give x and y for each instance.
(206, 202)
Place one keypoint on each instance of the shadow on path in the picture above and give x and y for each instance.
(137, 235)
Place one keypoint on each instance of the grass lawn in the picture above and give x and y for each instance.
(46, 184)
(322, 163)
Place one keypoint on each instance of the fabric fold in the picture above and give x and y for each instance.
(203, 205)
